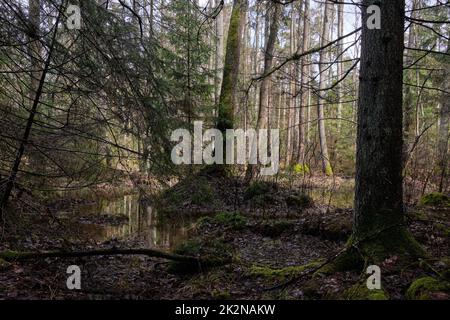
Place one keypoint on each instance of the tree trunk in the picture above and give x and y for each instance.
(444, 126)
(304, 91)
(228, 93)
(292, 99)
(263, 114)
(408, 105)
(339, 65)
(378, 218)
(326, 165)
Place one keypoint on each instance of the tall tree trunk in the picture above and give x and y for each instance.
(218, 59)
(228, 93)
(444, 126)
(325, 158)
(256, 59)
(292, 99)
(339, 65)
(263, 114)
(378, 218)
(304, 73)
(408, 105)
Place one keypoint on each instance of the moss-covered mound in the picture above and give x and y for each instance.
(428, 288)
(361, 292)
(204, 191)
(260, 188)
(234, 220)
(435, 199)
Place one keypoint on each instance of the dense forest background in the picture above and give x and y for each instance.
(90, 109)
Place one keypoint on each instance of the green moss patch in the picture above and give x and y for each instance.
(424, 288)
(349, 260)
(361, 292)
(300, 169)
(435, 199)
(283, 273)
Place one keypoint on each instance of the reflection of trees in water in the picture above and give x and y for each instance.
(143, 222)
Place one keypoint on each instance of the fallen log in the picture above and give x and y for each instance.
(11, 256)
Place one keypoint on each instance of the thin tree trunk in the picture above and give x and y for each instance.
(304, 91)
(339, 65)
(408, 105)
(444, 126)
(292, 100)
(325, 158)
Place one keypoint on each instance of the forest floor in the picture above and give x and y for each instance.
(273, 238)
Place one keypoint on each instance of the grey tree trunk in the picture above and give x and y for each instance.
(263, 114)
(218, 59)
(325, 158)
(304, 91)
(292, 99)
(339, 65)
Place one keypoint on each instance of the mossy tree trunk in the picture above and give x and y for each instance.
(379, 213)
(228, 93)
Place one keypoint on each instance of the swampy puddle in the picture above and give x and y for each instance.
(131, 217)
(127, 216)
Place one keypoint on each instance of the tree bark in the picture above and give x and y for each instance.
(339, 65)
(379, 212)
(444, 126)
(262, 121)
(292, 99)
(408, 105)
(304, 91)
(325, 158)
(228, 93)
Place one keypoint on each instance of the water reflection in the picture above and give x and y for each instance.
(143, 222)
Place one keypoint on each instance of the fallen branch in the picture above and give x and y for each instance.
(11, 256)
